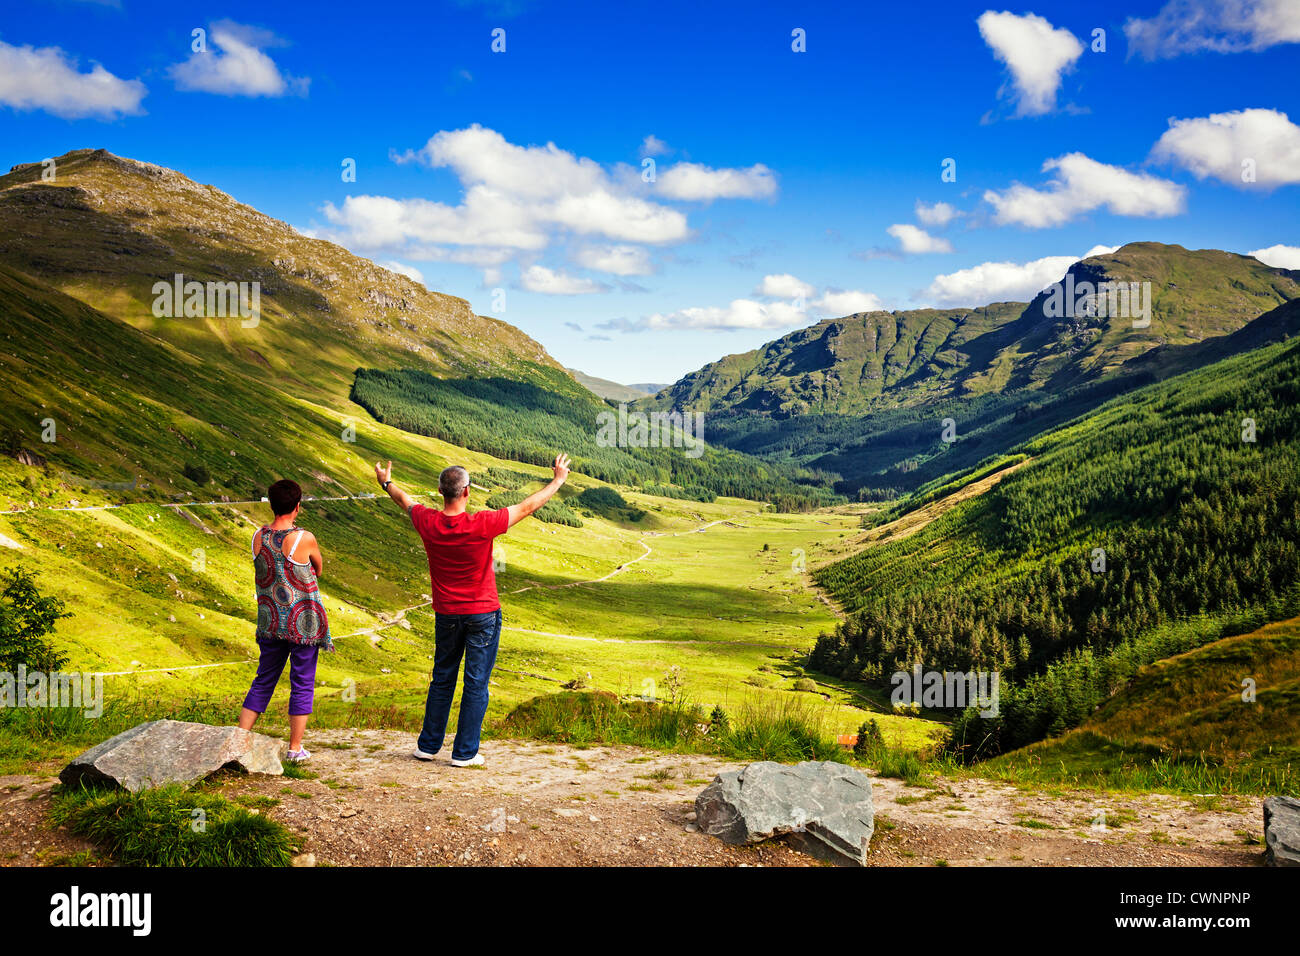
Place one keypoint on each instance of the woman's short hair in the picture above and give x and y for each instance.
(284, 496)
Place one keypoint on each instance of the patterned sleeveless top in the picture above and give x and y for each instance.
(289, 607)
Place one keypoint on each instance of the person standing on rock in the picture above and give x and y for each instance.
(467, 611)
(291, 622)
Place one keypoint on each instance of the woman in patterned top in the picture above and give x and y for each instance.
(291, 621)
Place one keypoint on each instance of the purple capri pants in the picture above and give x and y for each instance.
(302, 676)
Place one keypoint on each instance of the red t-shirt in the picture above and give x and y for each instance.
(460, 557)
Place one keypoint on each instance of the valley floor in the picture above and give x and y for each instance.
(537, 804)
(713, 595)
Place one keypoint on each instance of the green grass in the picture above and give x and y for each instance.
(1181, 725)
(788, 733)
(172, 826)
(727, 608)
(1082, 758)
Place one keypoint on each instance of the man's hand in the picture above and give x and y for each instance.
(538, 498)
(383, 474)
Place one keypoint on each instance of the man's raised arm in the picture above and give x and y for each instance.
(385, 478)
(538, 498)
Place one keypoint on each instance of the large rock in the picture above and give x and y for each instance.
(173, 751)
(822, 808)
(1282, 831)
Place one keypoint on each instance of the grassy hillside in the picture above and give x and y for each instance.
(107, 228)
(1152, 511)
(1183, 722)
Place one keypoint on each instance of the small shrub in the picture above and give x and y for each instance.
(870, 739)
(173, 826)
(196, 473)
(719, 722)
(806, 684)
(26, 617)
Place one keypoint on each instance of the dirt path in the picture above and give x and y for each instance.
(550, 804)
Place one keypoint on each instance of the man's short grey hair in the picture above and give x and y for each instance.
(453, 481)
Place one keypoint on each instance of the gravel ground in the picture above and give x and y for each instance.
(538, 804)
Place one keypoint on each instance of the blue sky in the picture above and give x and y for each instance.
(788, 185)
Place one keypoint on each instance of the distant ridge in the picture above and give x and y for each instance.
(613, 390)
(863, 396)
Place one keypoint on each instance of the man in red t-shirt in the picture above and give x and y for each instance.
(466, 608)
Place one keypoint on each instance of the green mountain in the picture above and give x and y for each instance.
(106, 229)
(1165, 519)
(149, 405)
(865, 396)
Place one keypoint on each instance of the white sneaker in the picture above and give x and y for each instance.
(298, 756)
(474, 761)
(421, 755)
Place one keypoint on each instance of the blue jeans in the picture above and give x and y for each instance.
(475, 636)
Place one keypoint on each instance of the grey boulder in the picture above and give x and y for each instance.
(1282, 831)
(172, 751)
(822, 808)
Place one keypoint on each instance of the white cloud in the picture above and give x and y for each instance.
(784, 286)
(1036, 54)
(549, 282)
(1003, 281)
(1082, 185)
(1098, 251)
(913, 239)
(519, 199)
(1218, 26)
(739, 314)
(652, 145)
(1217, 145)
(697, 183)
(483, 219)
(516, 198)
(49, 79)
(616, 260)
(936, 215)
(237, 67)
(402, 268)
(847, 302)
(1279, 257)
(787, 311)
